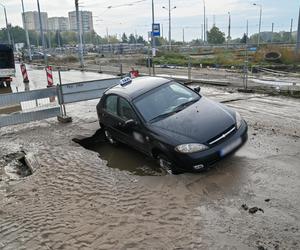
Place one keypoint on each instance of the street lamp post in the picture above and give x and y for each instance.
(80, 49)
(170, 31)
(259, 27)
(42, 33)
(7, 26)
(26, 32)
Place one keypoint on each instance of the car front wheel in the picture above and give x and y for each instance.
(167, 164)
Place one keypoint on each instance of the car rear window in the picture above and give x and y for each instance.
(111, 104)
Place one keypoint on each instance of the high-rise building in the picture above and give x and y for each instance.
(32, 20)
(58, 23)
(85, 21)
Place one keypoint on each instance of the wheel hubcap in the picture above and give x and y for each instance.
(109, 138)
(166, 165)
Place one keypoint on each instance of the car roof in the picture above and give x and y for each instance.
(138, 86)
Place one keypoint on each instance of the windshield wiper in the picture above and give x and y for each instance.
(164, 115)
(184, 105)
(176, 110)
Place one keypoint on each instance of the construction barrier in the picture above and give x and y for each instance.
(66, 93)
(49, 76)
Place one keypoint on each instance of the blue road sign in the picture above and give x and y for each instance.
(253, 49)
(156, 29)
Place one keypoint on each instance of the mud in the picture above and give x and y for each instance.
(14, 166)
(73, 200)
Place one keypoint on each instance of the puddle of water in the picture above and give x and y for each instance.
(121, 156)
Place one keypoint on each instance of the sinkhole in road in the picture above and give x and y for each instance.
(14, 166)
(120, 156)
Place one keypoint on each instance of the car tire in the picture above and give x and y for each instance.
(167, 165)
(109, 137)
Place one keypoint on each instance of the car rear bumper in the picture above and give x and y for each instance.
(204, 159)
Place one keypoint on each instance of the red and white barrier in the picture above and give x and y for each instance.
(24, 73)
(49, 76)
(50, 80)
(134, 73)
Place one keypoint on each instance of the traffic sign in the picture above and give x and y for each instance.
(156, 29)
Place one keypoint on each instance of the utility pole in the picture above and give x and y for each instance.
(298, 35)
(58, 38)
(170, 23)
(42, 34)
(206, 28)
(153, 38)
(291, 31)
(204, 21)
(202, 33)
(49, 37)
(229, 28)
(26, 32)
(80, 51)
(260, 14)
(170, 34)
(7, 26)
(183, 35)
(259, 26)
(272, 34)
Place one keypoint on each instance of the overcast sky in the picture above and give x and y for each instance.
(135, 15)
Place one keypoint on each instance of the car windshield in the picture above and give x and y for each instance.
(164, 101)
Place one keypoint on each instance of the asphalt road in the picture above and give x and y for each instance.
(94, 199)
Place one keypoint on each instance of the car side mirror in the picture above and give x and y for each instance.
(130, 123)
(197, 89)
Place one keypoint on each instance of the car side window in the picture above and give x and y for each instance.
(125, 110)
(111, 104)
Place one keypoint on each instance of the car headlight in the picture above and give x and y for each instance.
(238, 119)
(190, 148)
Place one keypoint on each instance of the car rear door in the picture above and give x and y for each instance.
(111, 119)
(134, 134)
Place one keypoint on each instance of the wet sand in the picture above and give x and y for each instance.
(73, 200)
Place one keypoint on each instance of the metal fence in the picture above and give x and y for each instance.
(23, 107)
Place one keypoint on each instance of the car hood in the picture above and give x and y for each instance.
(199, 122)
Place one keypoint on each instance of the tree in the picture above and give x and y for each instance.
(132, 39)
(124, 38)
(244, 39)
(69, 37)
(140, 39)
(196, 42)
(215, 36)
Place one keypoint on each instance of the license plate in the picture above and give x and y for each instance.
(229, 148)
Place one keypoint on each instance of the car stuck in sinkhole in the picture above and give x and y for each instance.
(183, 130)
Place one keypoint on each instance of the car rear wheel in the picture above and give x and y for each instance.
(167, 164)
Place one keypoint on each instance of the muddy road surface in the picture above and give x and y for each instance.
(106, 198)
